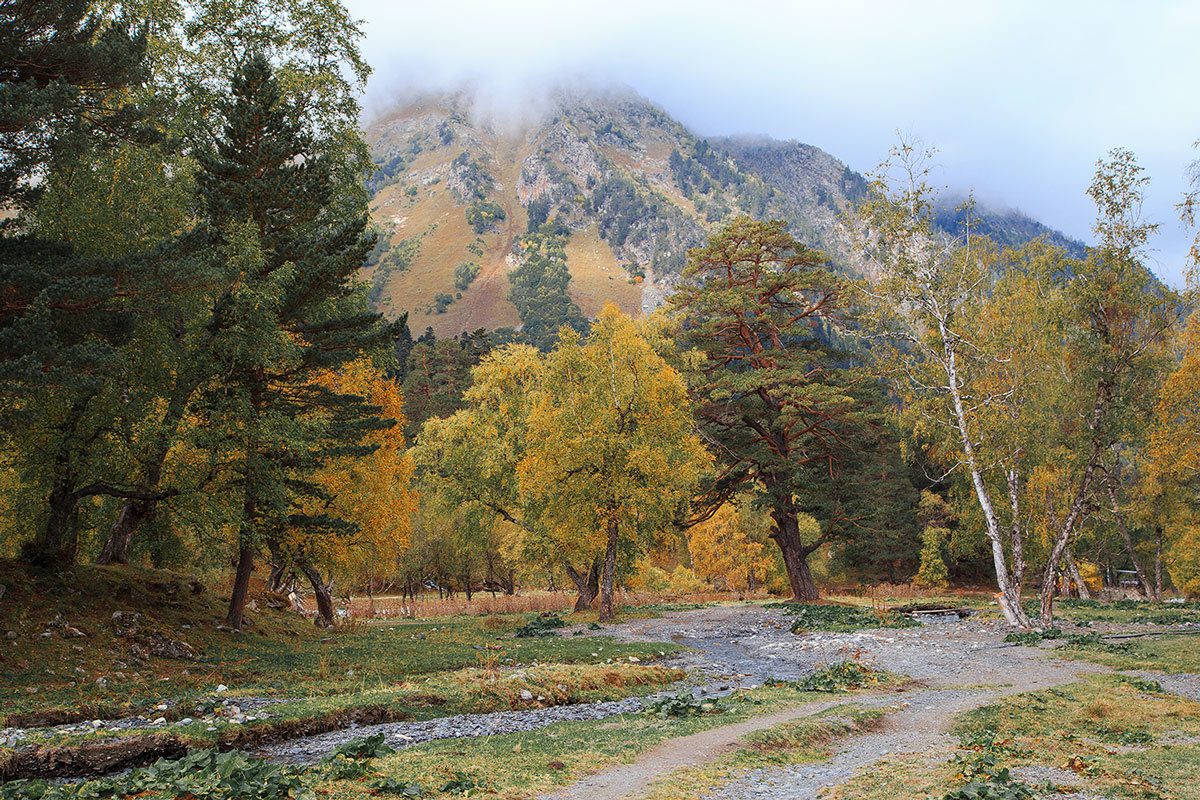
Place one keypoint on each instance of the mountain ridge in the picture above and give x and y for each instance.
(455, 192)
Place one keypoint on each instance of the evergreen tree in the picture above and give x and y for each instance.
(292, 314)
(776, 401)
(66, 73)
(438, 373)
(538, 288)
(64, 69)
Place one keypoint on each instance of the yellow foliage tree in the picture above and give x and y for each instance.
(724, 553)
(1175, 440)
(615, 453)
(372, 493)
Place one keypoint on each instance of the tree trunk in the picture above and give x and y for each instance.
(54, 545)
(250, 512)
(323, 592)
(1009, 597)
(606, 577)
(1158, 537)
(134, 512)
(1128, 539)
(1017, 536)
(241, 586)
(795, 556)
(1078, 505)
(586, 586)
(116, 546)
(1073, 570)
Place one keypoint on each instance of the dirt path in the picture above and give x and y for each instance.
(674, 754)
(962, 665)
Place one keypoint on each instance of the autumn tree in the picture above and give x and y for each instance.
(613, 454)
(771, 398)
(967, 368)
(1121, 318)
(729, 550)
(370, 491)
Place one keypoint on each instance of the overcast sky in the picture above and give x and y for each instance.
(1021, 98)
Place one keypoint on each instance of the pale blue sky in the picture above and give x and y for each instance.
(1021, 98)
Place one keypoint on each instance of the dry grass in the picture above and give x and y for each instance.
(552, 685)
(597, 277)
(430, 607)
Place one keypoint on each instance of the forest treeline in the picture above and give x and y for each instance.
(192, 376)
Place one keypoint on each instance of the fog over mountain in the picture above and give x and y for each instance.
(1020, 98)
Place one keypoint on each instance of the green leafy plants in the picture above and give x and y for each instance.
(1033, 637)
(1093, 641)
(1141, 684)
(543, 625)
(682, 704)
(350, 759)
(815, 617)
(397, 788)
(980, 765)
(372, 746)
(464, 785)
(838, 677)
(201, 774)
(1001, 788)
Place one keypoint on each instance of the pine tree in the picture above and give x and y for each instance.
(292, 315)
(64, 69)
(776, 400)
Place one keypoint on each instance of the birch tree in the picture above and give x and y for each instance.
(1120, 320)
(612, 452)
(922, 292)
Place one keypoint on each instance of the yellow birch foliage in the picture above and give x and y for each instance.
(724, 554)
(372, 491)
(610, 437)
(1173, 458)
(1175, 440)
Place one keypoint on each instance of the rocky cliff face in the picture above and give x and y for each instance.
(635, 187)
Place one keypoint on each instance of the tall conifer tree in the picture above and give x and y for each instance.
(773, 399)
(293, 312)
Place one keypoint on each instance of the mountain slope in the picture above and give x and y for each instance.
(454, 193)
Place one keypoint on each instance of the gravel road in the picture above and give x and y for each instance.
(961, 664)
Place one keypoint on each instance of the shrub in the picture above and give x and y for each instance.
(838, 677)
(1033, 637)
(933, 572)
(543, 625)
(464, 273)
(483, 215)
(812, 617)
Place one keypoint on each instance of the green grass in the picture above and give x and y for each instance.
(505, 766)
(1129, 612)
(802, 741)
(278, 655)
(1165, 653)
(444, 694)
(1112, 732)
(1115, 736)
(530, 764)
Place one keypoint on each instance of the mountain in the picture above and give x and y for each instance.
(456, 190)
